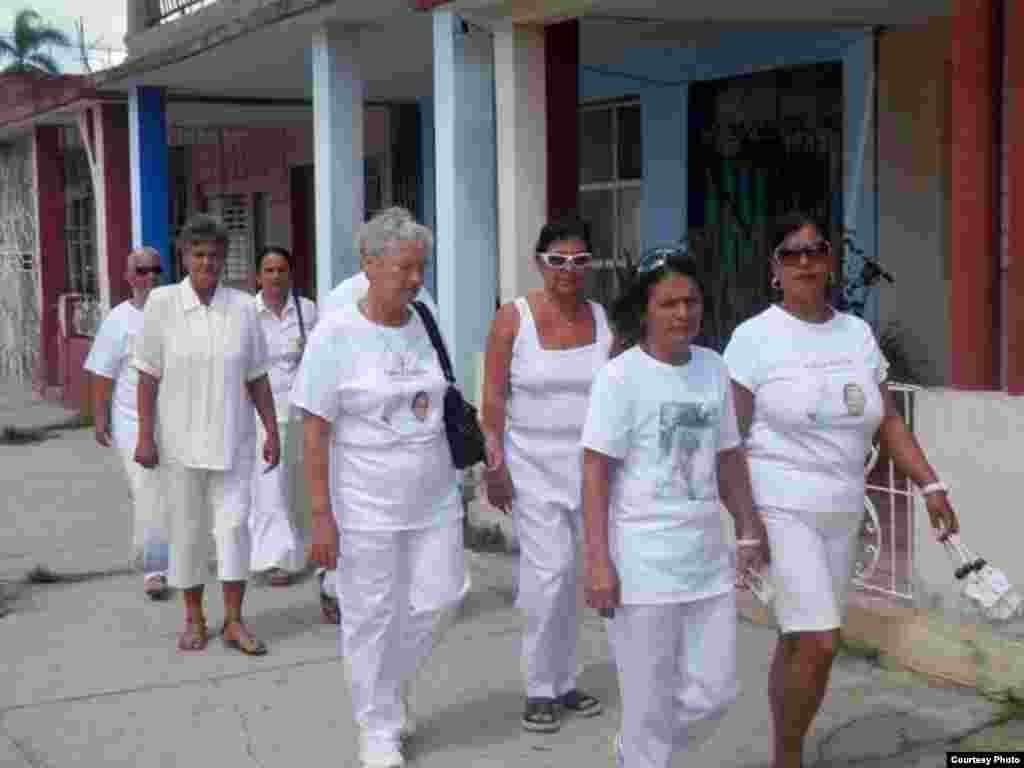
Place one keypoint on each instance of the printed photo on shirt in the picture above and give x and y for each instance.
(684, 428)
(421, 405)
(854, 398)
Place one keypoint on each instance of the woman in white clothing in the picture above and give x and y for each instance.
(277, 519)
(542, 354)
(810, 389)
(661, 451)
(379, 469)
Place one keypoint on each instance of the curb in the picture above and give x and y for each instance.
(970, 655)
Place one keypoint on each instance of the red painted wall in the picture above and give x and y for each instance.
(1015, 199)
(117, 187)
(975, 220)
(50, 201)
(561, 64)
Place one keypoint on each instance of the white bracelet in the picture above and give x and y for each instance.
(747, 542)
(937, 487)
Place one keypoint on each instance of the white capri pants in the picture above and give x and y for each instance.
(149, 536)
(398, 590)
(811, 569)
(548, 594)
(275, 517)
(200, 502)
(677, 674)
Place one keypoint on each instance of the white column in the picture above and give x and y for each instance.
(90, 127)
(338, 93)
(519, 81)
(466, 178)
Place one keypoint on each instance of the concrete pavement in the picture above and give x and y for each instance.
(89, 674)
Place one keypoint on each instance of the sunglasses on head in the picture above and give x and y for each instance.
(149, 270)
(656, 258)
(787, 256)
(567, 261)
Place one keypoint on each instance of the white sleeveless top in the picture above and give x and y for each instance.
(549, 391)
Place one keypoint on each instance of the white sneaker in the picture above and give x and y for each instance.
(380, 753)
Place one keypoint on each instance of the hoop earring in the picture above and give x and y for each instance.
(776, 283)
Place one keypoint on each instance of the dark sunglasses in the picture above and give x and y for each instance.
(789, 257)
(149, 270)
(656, 258)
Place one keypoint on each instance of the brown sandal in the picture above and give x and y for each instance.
(195, 637)
(245, 642)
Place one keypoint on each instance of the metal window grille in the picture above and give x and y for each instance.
(235, 212)
(171, 10)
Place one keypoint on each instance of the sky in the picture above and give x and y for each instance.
(104, 22)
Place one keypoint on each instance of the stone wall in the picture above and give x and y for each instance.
(19, 266)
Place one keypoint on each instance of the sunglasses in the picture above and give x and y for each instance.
(149, 270)
(656, 258)
(567, 261)
(789, 257)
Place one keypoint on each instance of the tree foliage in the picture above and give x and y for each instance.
(25, 51)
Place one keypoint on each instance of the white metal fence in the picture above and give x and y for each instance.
(886, 561)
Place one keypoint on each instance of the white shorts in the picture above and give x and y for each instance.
(811, 570)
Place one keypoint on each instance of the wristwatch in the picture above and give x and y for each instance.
(937, 487)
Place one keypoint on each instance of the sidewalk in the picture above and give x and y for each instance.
(25, 410)
(90, 675)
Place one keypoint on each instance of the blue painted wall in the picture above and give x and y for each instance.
(428, 209)
(660, 78)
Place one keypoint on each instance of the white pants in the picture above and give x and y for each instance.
(398, 590)
(548, 598)
(273, 520)
(677, 667)
(201, 502)
(149, 537)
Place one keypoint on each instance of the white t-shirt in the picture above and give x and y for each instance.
(111, 357)
(817, 406)
(666, 424)
(351, 289)
(382, 389)
(283, 335)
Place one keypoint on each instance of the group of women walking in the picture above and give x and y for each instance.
(614, 441)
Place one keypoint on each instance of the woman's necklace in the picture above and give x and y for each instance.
(398, 362)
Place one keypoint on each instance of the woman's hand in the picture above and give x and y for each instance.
(603, 587)
(500, 491)
(325, 540)
(146, 453)
(941, 513)
(272, 451)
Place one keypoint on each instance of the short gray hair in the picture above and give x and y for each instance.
(390, 226)
(204, 228)
(133, 256)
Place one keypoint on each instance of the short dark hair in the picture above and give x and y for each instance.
(629, 310)
(274, 250)
(203, 228)
(565, 228)
(792, 222)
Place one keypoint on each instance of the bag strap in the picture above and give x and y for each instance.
(298, 309)
(435, 338)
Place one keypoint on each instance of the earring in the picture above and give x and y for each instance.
(776, 283)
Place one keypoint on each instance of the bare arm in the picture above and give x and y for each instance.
(743, 400)
(145, 451)
(602, 579)
(102, 388)
(263, 398)
(737, 495)
(901, 445)
(497, 364)
(316, 433)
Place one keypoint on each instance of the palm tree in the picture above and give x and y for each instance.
(31, 35)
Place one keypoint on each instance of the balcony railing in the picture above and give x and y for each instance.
(170, 10)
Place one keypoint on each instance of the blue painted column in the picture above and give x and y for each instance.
(859, 83)
(150, 179)
(428, 184)
(663, 114)
(466, 198)
(338, 93)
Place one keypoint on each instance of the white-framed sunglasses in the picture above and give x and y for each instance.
(567, 261)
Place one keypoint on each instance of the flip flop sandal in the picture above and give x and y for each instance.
(328, 605)
(195, 637)
(580, 703)
(246, 644)
(156, 587)
(541, 715)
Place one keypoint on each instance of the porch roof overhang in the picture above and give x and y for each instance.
(28, 100)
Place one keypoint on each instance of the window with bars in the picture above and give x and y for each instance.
(611, 176)
(235, 212)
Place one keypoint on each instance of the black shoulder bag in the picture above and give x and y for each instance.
(465, 438)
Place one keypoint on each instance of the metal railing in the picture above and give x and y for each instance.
(171, 10)
(886, 561)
